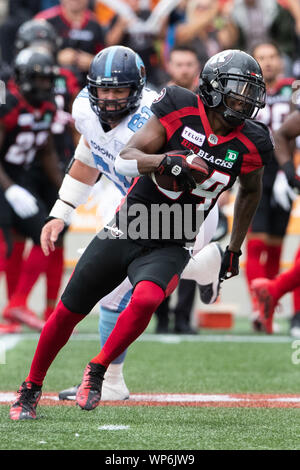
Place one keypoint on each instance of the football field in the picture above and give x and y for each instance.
(215, 390)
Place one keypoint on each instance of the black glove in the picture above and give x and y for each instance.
(291, 176)
(175, 165)
(229, 264)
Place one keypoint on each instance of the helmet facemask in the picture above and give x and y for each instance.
(112, 111)
(247, 93)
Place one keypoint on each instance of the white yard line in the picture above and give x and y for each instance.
(175, 339)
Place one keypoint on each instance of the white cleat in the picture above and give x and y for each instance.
(114, 387)
(204, 268)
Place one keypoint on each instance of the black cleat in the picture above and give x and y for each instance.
(29, 395)
(89, 392)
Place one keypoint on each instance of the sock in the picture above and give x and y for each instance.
(13, 267)
(54, 274)
(286, 282)
(33, 266)
(296, 291)
(254, 262)
(131, 323)
(107, 322)
(273, 261)
(54, 336)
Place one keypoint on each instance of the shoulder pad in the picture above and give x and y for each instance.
(259, 134)
(172, 98)
(81, 110)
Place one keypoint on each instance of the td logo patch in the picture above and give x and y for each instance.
(231, 155)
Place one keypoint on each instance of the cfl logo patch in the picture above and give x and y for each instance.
(176, 170)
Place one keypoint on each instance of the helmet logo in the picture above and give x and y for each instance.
(220, 59)
(141, 67)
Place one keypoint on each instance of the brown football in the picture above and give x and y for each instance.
(167, 182)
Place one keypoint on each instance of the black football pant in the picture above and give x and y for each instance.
(106, 262)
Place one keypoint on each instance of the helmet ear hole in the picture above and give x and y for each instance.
(211, 96)
(216, 98)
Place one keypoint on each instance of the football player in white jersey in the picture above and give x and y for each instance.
(113, 106)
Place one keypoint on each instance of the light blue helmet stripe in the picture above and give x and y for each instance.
(109, 60)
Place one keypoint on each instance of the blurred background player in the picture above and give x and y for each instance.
(41, 33)
(80, 32)
(268, 228)
(140, 30)
(267, 291)
(25, 128)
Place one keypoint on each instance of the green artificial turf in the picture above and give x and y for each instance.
(155, 428)
(175, 367)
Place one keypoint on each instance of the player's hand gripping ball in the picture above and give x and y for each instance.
(180, 171)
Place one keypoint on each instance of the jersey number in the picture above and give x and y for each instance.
(206, 191)
(138, 120)
(24, 150)
(210, 189)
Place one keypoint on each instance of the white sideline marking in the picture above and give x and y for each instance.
(6, 397)
(10, 341)
(204, 398)
(7, 342)
(173, 339)
(113, 427)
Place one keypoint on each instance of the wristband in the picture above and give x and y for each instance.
(74, 192)
(61, 210)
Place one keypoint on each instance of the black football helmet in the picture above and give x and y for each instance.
(116, 67)
(37, 32)
(233, 75)
(35, 73)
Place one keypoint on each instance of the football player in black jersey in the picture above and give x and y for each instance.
(266, 234)
(184, 69)
(25, 122)
(218, 125)
(41, 33)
